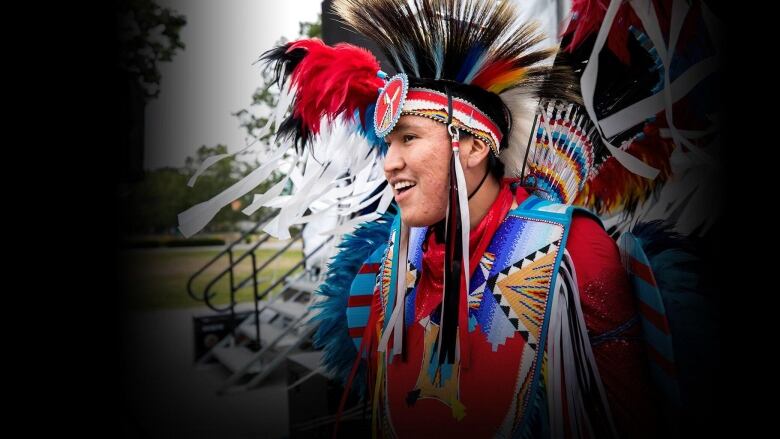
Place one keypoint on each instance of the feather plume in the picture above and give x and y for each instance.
(329, 82)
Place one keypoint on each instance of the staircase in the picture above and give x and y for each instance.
(280, 324)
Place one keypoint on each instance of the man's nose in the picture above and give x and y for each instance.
(393, 160)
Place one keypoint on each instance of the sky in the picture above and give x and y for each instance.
(214, 76)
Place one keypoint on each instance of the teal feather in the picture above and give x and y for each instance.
(332, 334)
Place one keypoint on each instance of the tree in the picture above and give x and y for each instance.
(266, 97)
(148, 34)
(152, 204)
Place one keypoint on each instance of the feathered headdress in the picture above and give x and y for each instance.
(479, 48)
(329, 82)
(479, 54)
(471, 65)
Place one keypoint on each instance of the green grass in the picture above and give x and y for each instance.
(157, 278)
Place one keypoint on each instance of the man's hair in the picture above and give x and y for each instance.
(495, 165)
(488, 102)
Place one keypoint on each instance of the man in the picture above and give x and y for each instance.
(487, 306)
(478, 401)
(486, 329)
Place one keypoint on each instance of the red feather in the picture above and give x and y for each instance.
(587, 16)
(332, 81)
(485, 78)
(614, 188)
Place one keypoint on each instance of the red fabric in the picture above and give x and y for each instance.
(607, 302)
(486, 390)
(429, 291)
(487, 387)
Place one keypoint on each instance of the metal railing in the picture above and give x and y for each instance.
(209, 293)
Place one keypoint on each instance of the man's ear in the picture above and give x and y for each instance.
(479, 152)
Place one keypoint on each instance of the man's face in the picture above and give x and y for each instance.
(417, 167)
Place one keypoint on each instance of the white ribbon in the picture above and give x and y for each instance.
(396, 322)
(648, 107)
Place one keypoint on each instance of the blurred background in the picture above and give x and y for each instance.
(199, 356)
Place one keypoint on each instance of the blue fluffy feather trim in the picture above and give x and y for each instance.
(332, 334)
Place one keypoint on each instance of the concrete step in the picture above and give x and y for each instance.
(236, 357)
(269, 333)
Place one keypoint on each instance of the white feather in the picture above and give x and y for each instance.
(522, 105)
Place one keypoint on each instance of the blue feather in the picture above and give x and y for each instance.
(658, 66)
(471, 64)
(397, 60)
(332, 334)
(411, 57)
(438, 58)
(658, 236)
(367, 129)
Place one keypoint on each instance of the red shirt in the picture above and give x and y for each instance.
(486, 384)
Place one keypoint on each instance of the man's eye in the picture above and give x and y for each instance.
(409, 138)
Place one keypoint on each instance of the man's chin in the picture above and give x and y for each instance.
(416, 221)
